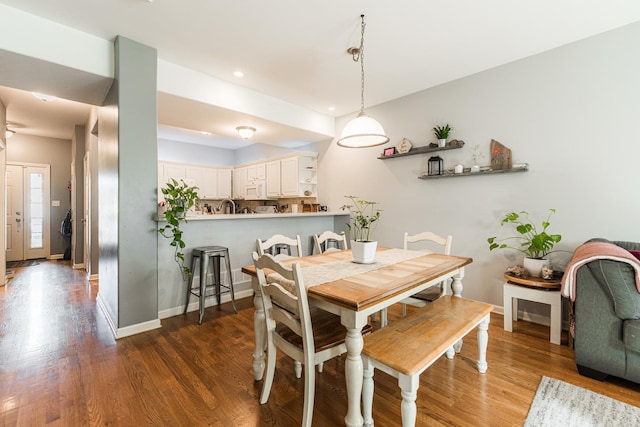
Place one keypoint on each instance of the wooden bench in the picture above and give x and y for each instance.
(407, 347)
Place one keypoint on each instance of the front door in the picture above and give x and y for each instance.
(27, 218)
(15, 213)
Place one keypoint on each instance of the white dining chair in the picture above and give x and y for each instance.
(276, 243)
(420, 299)
(328, 241)
(308, 335)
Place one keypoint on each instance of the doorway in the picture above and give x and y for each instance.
(28, 213)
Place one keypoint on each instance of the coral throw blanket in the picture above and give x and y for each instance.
(592, 251)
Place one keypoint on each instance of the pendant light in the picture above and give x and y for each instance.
(363, 131)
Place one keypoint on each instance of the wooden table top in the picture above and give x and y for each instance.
(363, 290)
(534, 282)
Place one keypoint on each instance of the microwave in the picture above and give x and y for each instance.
(256, 191)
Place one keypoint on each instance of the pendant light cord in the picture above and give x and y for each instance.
(361, 57)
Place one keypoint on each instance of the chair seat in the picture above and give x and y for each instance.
(327, 330)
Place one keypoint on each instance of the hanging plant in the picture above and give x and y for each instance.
(178, 199)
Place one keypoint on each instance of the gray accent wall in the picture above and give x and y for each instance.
(56, 153)
(77, 196)
(127, 187)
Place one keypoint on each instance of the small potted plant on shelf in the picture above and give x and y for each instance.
(535, 244)
(364, 218)
(178, 199)
(442, 133)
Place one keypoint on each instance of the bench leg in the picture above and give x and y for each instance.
(409, 386)
(483, 340)
(367, 391)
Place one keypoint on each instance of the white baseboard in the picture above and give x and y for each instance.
(56, 256)
(210, 302)
(127, 330)
(92, 277)
(78, 266)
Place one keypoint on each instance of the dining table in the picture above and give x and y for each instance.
(354, 292)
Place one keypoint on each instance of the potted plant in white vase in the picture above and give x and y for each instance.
(442, 133)
(535, 244)
(364, 218)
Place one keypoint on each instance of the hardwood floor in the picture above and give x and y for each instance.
(60, 366)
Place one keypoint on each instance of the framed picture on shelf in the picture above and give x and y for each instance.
(389, 151)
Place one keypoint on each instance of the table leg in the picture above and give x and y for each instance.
(508, 309)
(556, 320)
(456, 291)
(456, 284)
(259, 331)
(483, 340)
(353, 374)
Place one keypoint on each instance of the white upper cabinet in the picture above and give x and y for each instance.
(273, 179)
(299, 176)
(239, 182)
(256, 172)
(224, 184)
(212, 183)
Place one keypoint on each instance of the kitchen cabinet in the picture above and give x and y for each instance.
(256, 172)
(239, 182)
(213, 183)
(298, 176)
(273, 178)
(224, 184)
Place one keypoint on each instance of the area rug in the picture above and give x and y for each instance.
(558, 403)
(27, 263)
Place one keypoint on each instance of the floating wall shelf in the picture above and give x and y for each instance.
(466, 172)
(420, 150)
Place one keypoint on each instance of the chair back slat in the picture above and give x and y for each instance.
(429, 237)
(323, 241)
(277, 242)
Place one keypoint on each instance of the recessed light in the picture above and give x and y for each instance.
(204, 132)
(332, 108)
(238, 73)
(43, 97)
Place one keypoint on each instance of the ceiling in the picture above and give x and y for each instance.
(296, 51)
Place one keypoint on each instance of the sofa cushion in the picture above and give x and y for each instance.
(631, 335)
(635, 253)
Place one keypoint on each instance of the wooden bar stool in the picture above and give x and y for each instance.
(200, 258)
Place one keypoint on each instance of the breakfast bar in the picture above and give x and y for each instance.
(238, 233)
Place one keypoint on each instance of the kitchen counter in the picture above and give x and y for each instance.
(238, 233)
(259, 216)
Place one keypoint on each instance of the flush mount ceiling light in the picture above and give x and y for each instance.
(363, 131)
(43, 97)
(245, 132)
(9, 133)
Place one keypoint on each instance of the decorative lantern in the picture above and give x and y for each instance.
(435, 166)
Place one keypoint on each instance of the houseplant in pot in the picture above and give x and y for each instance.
(364, 218)
(442, 133)
(178, 199)
(536, 244)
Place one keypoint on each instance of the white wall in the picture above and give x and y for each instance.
(183, 152)
(571, 113)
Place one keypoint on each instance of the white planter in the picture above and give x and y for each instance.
(534, 266)
(442, 142)
(363, 252)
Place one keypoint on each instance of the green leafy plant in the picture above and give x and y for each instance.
(442, 132)
(364, 218)
(532, 242)
(178, 199)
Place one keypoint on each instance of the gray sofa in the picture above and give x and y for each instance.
(607, 319)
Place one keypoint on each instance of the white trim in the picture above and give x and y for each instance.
(128, 330)
(92, 276)
(56, 256)
(138, 328)
(78, 266)
(175, 311)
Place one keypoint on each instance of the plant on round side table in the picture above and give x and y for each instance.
(442, 133)
(535, 245)
(179, 198)
(364, 218)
